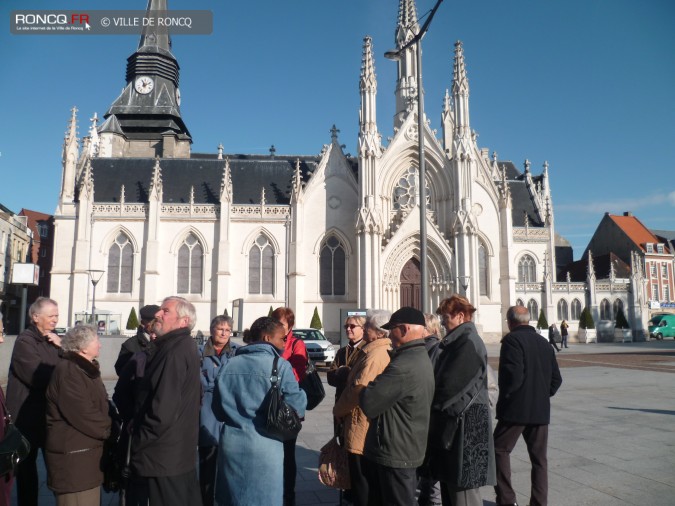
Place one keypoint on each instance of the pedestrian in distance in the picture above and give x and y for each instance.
(397, 404)
(553, 334)
(528, 377)
(77, 421)
(166, 427)
(564, 326)
(36, 353)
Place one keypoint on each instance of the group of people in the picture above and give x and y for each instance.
(413, 411)
(412, 408)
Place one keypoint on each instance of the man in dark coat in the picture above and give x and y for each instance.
(528, 378)
(36, 353)
(166, 426)
(398, 404)
(141, 341)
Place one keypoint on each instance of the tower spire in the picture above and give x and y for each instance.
(69, 157)
(460, 93)
(368, 136)
(407, 25)
(406, 85)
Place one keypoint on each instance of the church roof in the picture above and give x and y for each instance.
(521, 200)
(634, 229)
(250, 173)
(578, 270)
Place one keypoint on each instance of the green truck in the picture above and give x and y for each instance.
(662, 325)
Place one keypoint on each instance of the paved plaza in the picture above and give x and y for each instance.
(610, 440)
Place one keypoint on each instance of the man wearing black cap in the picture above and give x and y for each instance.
(141, 340)
(398, 403)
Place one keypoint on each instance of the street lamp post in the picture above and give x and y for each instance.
(396, 55)
(464, 283)
(95, 276)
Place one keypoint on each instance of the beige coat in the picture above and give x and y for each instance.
(373, 359)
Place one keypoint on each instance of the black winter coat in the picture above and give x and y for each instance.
(33, 361)
(528, 377)
(131, 346)
(166, 426)
(77, 425)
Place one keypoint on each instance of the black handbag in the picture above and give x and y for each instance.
(313, 386)
(283, 423)
(14, 447)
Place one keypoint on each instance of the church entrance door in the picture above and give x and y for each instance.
(410, 284)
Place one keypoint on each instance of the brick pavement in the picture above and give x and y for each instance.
(611, 441)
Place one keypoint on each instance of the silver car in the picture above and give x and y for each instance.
(319, 348)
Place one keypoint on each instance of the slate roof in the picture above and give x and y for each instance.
(601, 263)
(205, 172)
(521, 200)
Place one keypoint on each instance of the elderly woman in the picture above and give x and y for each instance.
(461, 387)
(215, 353)
(250, 463)
(35, 355)
(77, 421)
(372, 360)
(339, 369)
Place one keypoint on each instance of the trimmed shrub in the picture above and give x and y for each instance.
(225, 313)
(316, 320)
(269, 313)
(621, 322)
(586, 320)
(542, 323)
(132, 322)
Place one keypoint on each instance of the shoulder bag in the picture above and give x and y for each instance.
(14, 447)
(313, 386)
(283, 423)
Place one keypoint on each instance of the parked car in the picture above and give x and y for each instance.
(319, 348)
(61, 331)
(662, 325)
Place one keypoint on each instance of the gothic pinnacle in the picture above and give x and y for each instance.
(368, 79)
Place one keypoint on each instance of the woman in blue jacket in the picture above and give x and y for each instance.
(250, 463)
(215, 353)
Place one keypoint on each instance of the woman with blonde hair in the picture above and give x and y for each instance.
(372, 360)
(461, 390)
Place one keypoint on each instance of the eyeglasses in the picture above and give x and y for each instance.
(351, 326)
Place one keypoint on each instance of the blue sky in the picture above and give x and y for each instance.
(585, 84)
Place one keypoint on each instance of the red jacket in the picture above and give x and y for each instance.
(296, 353)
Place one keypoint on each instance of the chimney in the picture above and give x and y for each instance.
(627, 213)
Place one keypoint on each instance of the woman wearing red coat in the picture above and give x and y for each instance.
(295, 352)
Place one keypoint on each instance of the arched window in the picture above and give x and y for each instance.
(332, 268)
(519, 302)
(527, 270)
(562, 310)
(190, 265)
(261, 266)
(618, 304)
(120, 265)
(605, 310)
(533, 308)
(576, 309)
(482, 269)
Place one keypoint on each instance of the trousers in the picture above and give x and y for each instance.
(536, 438)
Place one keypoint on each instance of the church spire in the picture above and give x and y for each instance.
(406, 85)
(407, 26)
(460, 93)
(154, 36)
(368, 135)
(69, 158)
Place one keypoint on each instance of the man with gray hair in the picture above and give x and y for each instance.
(528, 378)
(165, 428)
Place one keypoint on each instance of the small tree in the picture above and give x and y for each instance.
(132, 322)
(586, 320)
(269, 313)
(316, 320)
(621, 322)
(225, 313)
(541, 322)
